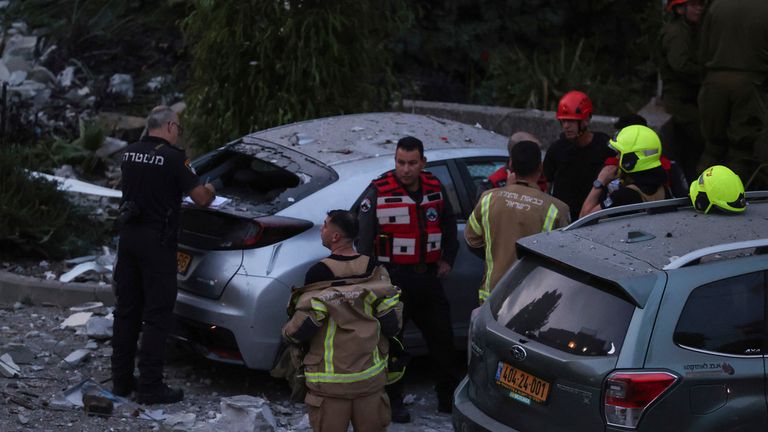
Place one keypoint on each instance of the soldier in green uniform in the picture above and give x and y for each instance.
(734, 95)
(681, 72)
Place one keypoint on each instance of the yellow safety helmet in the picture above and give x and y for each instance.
(720, 187)
(639, 148)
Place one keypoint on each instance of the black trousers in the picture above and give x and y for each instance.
(425, 304)
(146, 290)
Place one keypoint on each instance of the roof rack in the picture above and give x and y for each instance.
(647, 207)
(695, 256)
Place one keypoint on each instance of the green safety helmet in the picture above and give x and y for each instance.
(639, 148)
(720, 187)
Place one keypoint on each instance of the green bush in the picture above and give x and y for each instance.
(38, 220)
(528, 52)
(257, 64)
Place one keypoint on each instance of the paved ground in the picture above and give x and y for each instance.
(29, 402)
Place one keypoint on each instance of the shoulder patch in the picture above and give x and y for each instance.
(365, 206)
(432, 214)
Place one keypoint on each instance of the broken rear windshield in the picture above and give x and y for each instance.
(260, 177)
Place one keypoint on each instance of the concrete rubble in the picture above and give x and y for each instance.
(8, 368)
(57, 368)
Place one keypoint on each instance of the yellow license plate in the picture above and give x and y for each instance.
(182, 262)
(522, 383)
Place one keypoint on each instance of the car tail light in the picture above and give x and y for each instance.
(269, 230)
(628, 394)
(471, 346)
(209, 230)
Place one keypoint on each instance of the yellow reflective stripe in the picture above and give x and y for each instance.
(484, 210)
(376, 356)
(550, 219)
(318, 305)
(329, 335)
(483, 295)
(473, 223)
(388, 303)
(371, 372)
(369, 300)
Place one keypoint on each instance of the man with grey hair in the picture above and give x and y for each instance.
(500, 177)
(155, 176)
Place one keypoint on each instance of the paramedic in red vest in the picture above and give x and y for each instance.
(408, 224)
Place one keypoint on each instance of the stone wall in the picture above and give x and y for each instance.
(507, 121)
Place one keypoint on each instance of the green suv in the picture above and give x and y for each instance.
(647, 317)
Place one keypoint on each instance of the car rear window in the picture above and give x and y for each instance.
(260, 178)
(567, 310)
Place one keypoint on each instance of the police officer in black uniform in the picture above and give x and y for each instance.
(407, 224)
(155, 175)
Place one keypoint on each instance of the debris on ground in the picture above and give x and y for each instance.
(76, 319)
(61, 374)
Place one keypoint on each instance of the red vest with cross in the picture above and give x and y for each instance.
(409, 231)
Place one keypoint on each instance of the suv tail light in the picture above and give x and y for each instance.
(209, 230)
(628, 394)
(471, 346)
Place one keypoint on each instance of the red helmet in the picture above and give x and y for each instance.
(673, 3)
(574, 105)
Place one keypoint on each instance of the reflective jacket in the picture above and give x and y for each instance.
(409, 231)
(504, 215)
(345, 320)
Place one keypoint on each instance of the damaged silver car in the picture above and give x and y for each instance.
(237, 262)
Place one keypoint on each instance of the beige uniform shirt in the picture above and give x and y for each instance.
(504, 215)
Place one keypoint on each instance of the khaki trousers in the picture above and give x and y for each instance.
(367, 413)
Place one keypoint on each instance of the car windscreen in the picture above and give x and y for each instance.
(561, 308)
(262, 179)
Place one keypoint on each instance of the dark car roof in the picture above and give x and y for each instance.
(359, 136)
(606, 250)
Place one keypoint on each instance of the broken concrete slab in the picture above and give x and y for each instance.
(245, 413)
(90, 305)
(20, 353)
(110, 146)
(76, 357)
(121, 84)
(65, 77)
(112, 121)
(99, 328)
(180, 421)
(42, 75)
(20, 47)
(8, 368)
(76, 320)
(81, 269)
(17, 77)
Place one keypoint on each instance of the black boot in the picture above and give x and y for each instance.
(124, 387)
(445, 403)
(400, 413)
(163, 395)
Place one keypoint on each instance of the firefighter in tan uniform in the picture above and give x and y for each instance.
(504, 215)
(345, 313)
